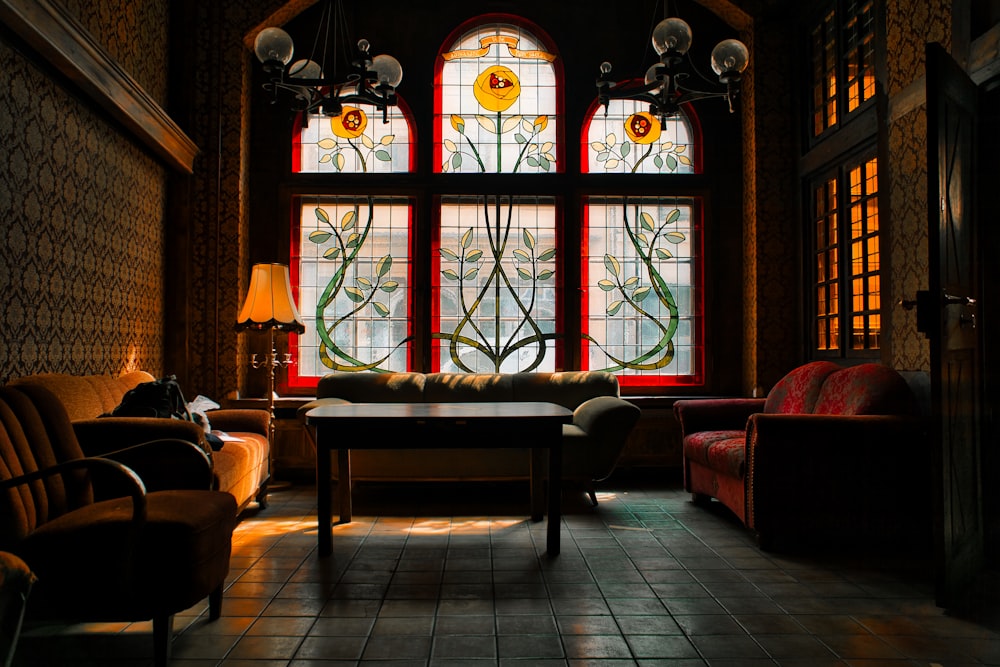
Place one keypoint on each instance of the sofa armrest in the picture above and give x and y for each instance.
(833, 469)
(315, 403)
(715, 414)
(102, 435)
(595, 440)
(167, 464)
(246, 420)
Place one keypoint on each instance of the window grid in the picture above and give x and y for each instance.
(824, 74)
(866, 294)
(859, 52)
(827, 267)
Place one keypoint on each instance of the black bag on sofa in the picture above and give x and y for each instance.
(159, 398)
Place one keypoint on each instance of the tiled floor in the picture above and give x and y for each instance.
(644, 579)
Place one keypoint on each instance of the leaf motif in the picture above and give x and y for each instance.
(612, 164)
(365, 283)
(384, 156)
(612, 265)
(510, 124)
(326, 144)
(456, 161)
(546, 274)
(643, 241)
(547, 146)
(684, 159)
(615, 307)
(524, 273)
(380, 308)
(666, 146)
(450, 146)
(626, 148)
(631, 282)
(663, 254)
(544, 161)
(383, 266)
(529, 239)
(387, 139)
(319, 236)
(675, 237)
(532, 161)
(603, 157)
(326, 157)
(486, 123)
(448, 254)
(338, 161)
(389, 286)
(353, 240)
(671, 162)
(646, 220)
(331, 253)
(611, 139)
(471, 273)
(354, 294)
(680, 148)
(474, 255)
(606, 285)
(449, 274)
(658, 161)
(547, 255)
(598, 146)
(347, 222)
(520, 138)
(367, 141)
(672, 216)
(322, 215)
(467, 238)
(640, 293)
(522, 255)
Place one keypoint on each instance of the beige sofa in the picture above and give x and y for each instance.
(592, 443)
(240, 467)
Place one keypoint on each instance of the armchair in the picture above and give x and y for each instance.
(138, 555)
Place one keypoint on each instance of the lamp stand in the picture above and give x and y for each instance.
(272, 362)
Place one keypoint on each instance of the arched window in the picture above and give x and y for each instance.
(641, 262)
(497, 260)
(351, 254)
(495, 272)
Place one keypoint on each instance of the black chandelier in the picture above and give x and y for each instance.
(666, 86)
(313, 88)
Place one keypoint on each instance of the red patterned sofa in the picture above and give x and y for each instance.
(832, 454)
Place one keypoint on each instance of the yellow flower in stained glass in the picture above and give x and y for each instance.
(350, 123)
(642, 128)
(497, 88)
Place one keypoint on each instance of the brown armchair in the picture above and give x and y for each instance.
(140, 555)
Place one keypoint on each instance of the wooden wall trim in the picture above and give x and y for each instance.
(57, 37)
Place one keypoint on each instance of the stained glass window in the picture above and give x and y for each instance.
(359, 141)
(642, 300)
(497, 105)
(626, 138)
(496, 270)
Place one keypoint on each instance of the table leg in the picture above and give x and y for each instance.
(344, 485)
(555, 496)
(324, 496)
(537, 484)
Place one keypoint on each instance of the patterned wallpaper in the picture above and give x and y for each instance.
(909, 25)
(81, 253)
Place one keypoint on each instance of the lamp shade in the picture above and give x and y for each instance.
(269, 303)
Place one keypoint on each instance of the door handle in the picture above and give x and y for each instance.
(950, 300)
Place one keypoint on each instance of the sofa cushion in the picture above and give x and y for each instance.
(797, 392)
(468, 387)
(569, 389)
(372, 387)
(723, 451)
(866, 389)
(87, 396)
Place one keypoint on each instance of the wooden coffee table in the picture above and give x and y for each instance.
(507, 425)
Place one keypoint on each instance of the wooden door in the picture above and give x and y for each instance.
(953, 302)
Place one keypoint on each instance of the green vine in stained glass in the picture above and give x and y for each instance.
(344, 241)
(647, 239)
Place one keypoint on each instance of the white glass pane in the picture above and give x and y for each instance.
(628, 140)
